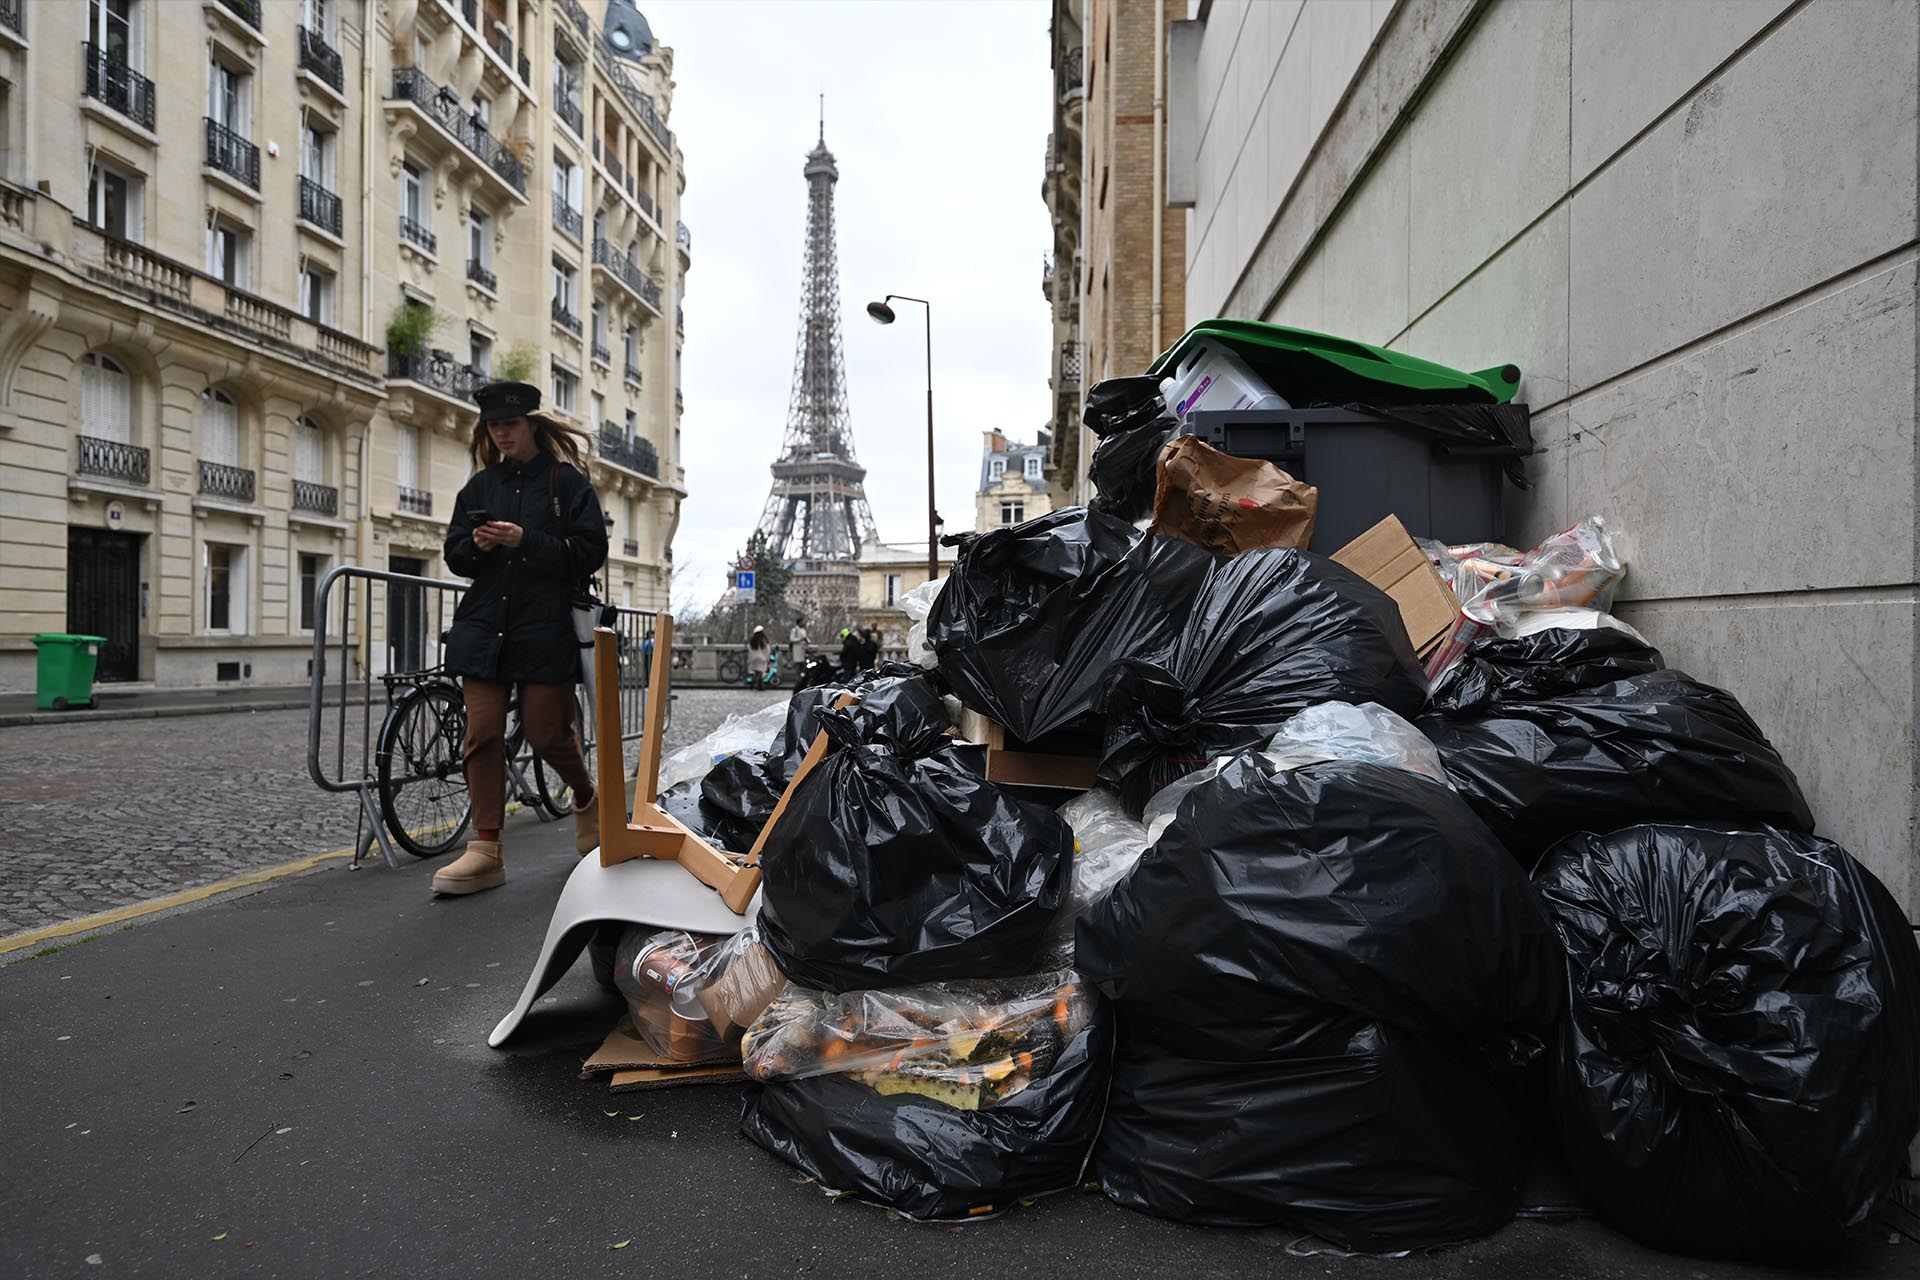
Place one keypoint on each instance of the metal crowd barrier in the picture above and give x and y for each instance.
(373, 631)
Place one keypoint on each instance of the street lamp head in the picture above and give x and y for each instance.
(881, 312)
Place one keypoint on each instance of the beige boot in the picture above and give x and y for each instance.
(479, 868)
(586, 826)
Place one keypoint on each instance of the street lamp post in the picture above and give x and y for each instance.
(883, 314)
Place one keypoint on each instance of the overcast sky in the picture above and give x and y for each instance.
(938, 116)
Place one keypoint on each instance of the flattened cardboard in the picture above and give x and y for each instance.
(641, 1079)
(1387, 556)
(624, 1050)
(1018, 764)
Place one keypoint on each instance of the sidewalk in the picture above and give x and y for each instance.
(303, 1073)
(145, 704)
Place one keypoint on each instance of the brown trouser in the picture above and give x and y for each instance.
(546, 710)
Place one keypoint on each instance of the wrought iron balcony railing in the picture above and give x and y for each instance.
(321, 58)
(502, 44)
(437, 369)
(415, 233)
(525, 68)
(634, 375)
(601, 354)
(321, 499)
(634, 454)
(1072, 75)
(1069, 366)
(319, 206)
(232, 154)
(645, 201)
(111, 460)
(573, 10)
(679, 318)
(248, 11)
(615, 168)
(565, 318)
(119, 86)
(566, 217)
(481, 276)
(10, 16)
(568, 109)
(218, 480)
(444, 108)
(630, 547)
(682, 236)
(416, 502)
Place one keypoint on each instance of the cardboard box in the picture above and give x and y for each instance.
(1386, 556)
(1058, 763)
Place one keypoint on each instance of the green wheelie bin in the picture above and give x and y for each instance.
(65, 677)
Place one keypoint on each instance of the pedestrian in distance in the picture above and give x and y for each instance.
(850, 654)
(869, 650)
(758, 650)
(797, 643)
(527, 529)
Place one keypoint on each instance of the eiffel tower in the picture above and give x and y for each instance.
(817, 515)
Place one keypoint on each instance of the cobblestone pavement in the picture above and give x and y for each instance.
(95, 816)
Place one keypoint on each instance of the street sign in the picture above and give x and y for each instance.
(743, 585)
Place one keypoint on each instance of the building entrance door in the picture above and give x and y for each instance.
(103, 597)
(406, 616)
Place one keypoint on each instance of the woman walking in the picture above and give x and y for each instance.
(759, 650)
(527, 529)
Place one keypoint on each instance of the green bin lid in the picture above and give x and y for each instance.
(1340, 368)
(55, 637)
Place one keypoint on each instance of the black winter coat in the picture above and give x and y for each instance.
(516, 622)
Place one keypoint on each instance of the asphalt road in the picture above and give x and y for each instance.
(105, 814)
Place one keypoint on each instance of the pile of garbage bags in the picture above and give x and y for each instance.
(1343, 939)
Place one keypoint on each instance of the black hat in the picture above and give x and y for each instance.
(499, 400)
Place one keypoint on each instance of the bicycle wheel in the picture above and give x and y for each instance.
(423, 790)
(732, 669)
(555, 795)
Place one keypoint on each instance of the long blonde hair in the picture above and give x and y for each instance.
(563, 440)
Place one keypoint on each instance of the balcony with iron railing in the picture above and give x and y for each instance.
(602, 355)
(630, 547)
(320, 499)
(1072, 77)
(218, 480)
(322, 59)
(683, 237)
(248, 11)
(578, 15)
(644, 199)
(115, 84)
(414, 502)
(415, 234)
(112, 460)
(436, 370)
(1069, 366)
(614, 167)
(624, 271)
(634, 376)
(10, 17)
(566, 217)
(639, 99)
(635, 454)
(319, 206)
(231, 154)
(565, 319)
(443, 107)
(567, 107)
(679, 318)
(478, 273)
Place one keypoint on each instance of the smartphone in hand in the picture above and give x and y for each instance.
(480, 516)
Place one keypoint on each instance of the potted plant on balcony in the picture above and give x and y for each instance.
(517, 363)
(410, 333)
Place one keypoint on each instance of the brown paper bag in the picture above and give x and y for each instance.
(1228, 504)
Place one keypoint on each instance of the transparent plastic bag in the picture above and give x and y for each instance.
(742, 731)
(1106, 845)
(692, 996)
(1368, 733)
(1533, 621)
(917, 604)
(1498, 586)
(967, 1044)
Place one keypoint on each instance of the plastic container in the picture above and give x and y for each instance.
(1210, 376)
(65, 670)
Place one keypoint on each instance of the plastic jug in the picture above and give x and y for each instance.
(1212, 377)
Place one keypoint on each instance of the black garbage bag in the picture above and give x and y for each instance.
(1365, 1135)
(1740, 1071)
(1545, 664)
(1133, 423)
(720, 826)
(891, 870)
(930, 1160)
(1272, 632)
(1034, 614)
(1654, 747)
(1277, 892)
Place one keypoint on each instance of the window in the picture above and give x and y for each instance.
(406, 455)
(316, 155)
(226, 587)
(599, 320)
(309, 451)
(893, 590)
(106, 399)
(6, 131)
(316, 294)
(229, 250)
(996, 468)
(322, 17)
(113, 202)
(596, 411)
(566, 78)
(113, 25)
(633, 516)
(565, 285)
(482, 110)
(413, 202)
(633, 426)
(1031, 467)
(479, 238)
(480, 353)
(229, 97)
(312, 569)
(1012, 512)
(565, 384)
(219, 428)
(566, 183)
(630, 340)
(600, 224)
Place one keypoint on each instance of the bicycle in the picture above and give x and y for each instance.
(422, 781)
